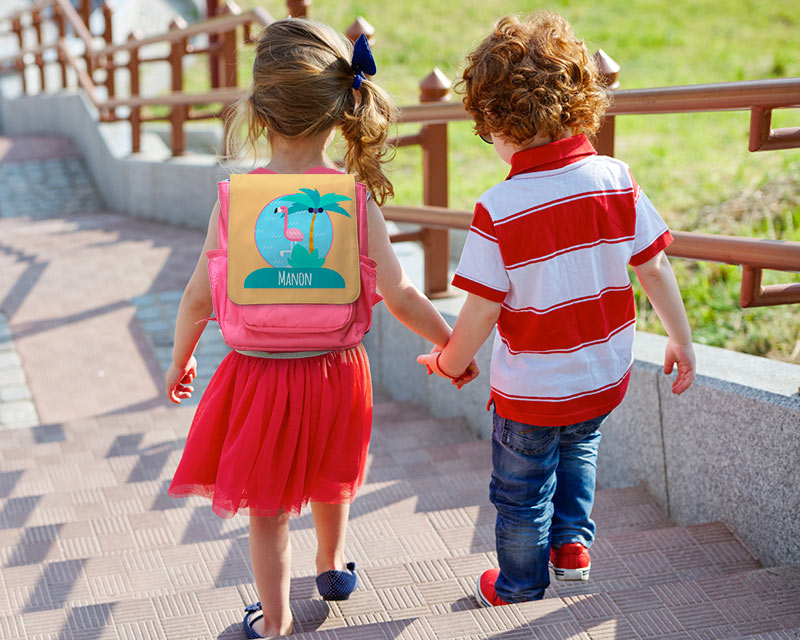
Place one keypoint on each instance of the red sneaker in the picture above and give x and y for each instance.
(484, 589)
(552, 556)
(572, 562)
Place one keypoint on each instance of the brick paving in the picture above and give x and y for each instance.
(91, 546)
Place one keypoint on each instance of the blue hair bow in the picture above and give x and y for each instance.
(362, 62)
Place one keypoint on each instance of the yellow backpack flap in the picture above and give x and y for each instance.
(293, 239)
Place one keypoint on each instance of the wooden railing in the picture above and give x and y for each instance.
(434, 112)
(754, 255)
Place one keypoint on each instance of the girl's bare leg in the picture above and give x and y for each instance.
(330, 521)
(271, 556)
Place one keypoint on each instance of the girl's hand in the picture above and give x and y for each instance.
(683, 356)
(178, 379)
(431, 362)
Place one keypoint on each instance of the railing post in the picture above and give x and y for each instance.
(212, 7)
(609, 74)
(108, 35)
(227, 58)
(85, 14)
(298, 8)
(58, 18)
(36, 23)
(86, 11)
(228, 76)
(435, 87)
(360, 26)
(16, 27)
(178, 114)
(135, 116)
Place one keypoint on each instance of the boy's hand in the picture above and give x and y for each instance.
(430, 360)
(178, 379)
(683, 356)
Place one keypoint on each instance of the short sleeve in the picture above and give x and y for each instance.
(481, 269)
(652, 234)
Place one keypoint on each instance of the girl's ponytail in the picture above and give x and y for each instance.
(243, 129)
(365, 128)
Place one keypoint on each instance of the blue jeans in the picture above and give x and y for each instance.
(543, 482)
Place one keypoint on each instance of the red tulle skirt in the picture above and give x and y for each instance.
(270, 435)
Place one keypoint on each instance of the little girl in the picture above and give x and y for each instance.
(272, 434)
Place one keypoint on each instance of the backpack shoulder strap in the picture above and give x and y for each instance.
(223, 192)
(361, 215)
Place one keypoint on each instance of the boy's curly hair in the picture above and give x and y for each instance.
(530, 77)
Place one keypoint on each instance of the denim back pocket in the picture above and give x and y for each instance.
(585, 428)
(526, 438)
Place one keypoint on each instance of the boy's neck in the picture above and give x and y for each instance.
(298, 156)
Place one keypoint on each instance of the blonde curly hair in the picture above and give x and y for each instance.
(533, 76)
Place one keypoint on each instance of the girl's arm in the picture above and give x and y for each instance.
(474, 324)
(404, 301)
(662, 290)
(195, 307)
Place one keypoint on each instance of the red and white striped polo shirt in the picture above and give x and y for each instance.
(552, 243)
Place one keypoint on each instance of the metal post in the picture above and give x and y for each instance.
(435, 87)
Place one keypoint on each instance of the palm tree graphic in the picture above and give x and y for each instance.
(312, 201)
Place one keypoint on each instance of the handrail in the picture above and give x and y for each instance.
(722, 96)
(753, 252)
(226, 95)
(76, 23)
(219, 24)
(36, 6)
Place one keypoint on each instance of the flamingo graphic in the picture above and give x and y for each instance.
(292, 235)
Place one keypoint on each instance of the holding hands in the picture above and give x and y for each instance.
(431, 362)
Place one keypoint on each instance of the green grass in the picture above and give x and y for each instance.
(695, 167)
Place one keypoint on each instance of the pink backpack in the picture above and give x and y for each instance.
(292, 327)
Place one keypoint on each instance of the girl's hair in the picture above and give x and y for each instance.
(303, 87)
(533, 76)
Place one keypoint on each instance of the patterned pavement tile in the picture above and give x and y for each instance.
(92, 547)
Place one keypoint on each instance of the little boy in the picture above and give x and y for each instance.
(546, 261)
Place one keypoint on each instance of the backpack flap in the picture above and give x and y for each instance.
(292, 239)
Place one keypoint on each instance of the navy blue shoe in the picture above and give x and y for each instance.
(337, 585)
(252, 612)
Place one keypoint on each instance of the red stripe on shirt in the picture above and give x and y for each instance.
(659, 244)
(568, 327)
(569, 250)
(556, 412)
(482, 222)
(484, 291)
(585, 222)
(582, 195)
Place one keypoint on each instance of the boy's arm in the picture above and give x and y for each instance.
(662, 290)
(474, 324)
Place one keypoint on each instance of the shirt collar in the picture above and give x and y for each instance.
(553, 155)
